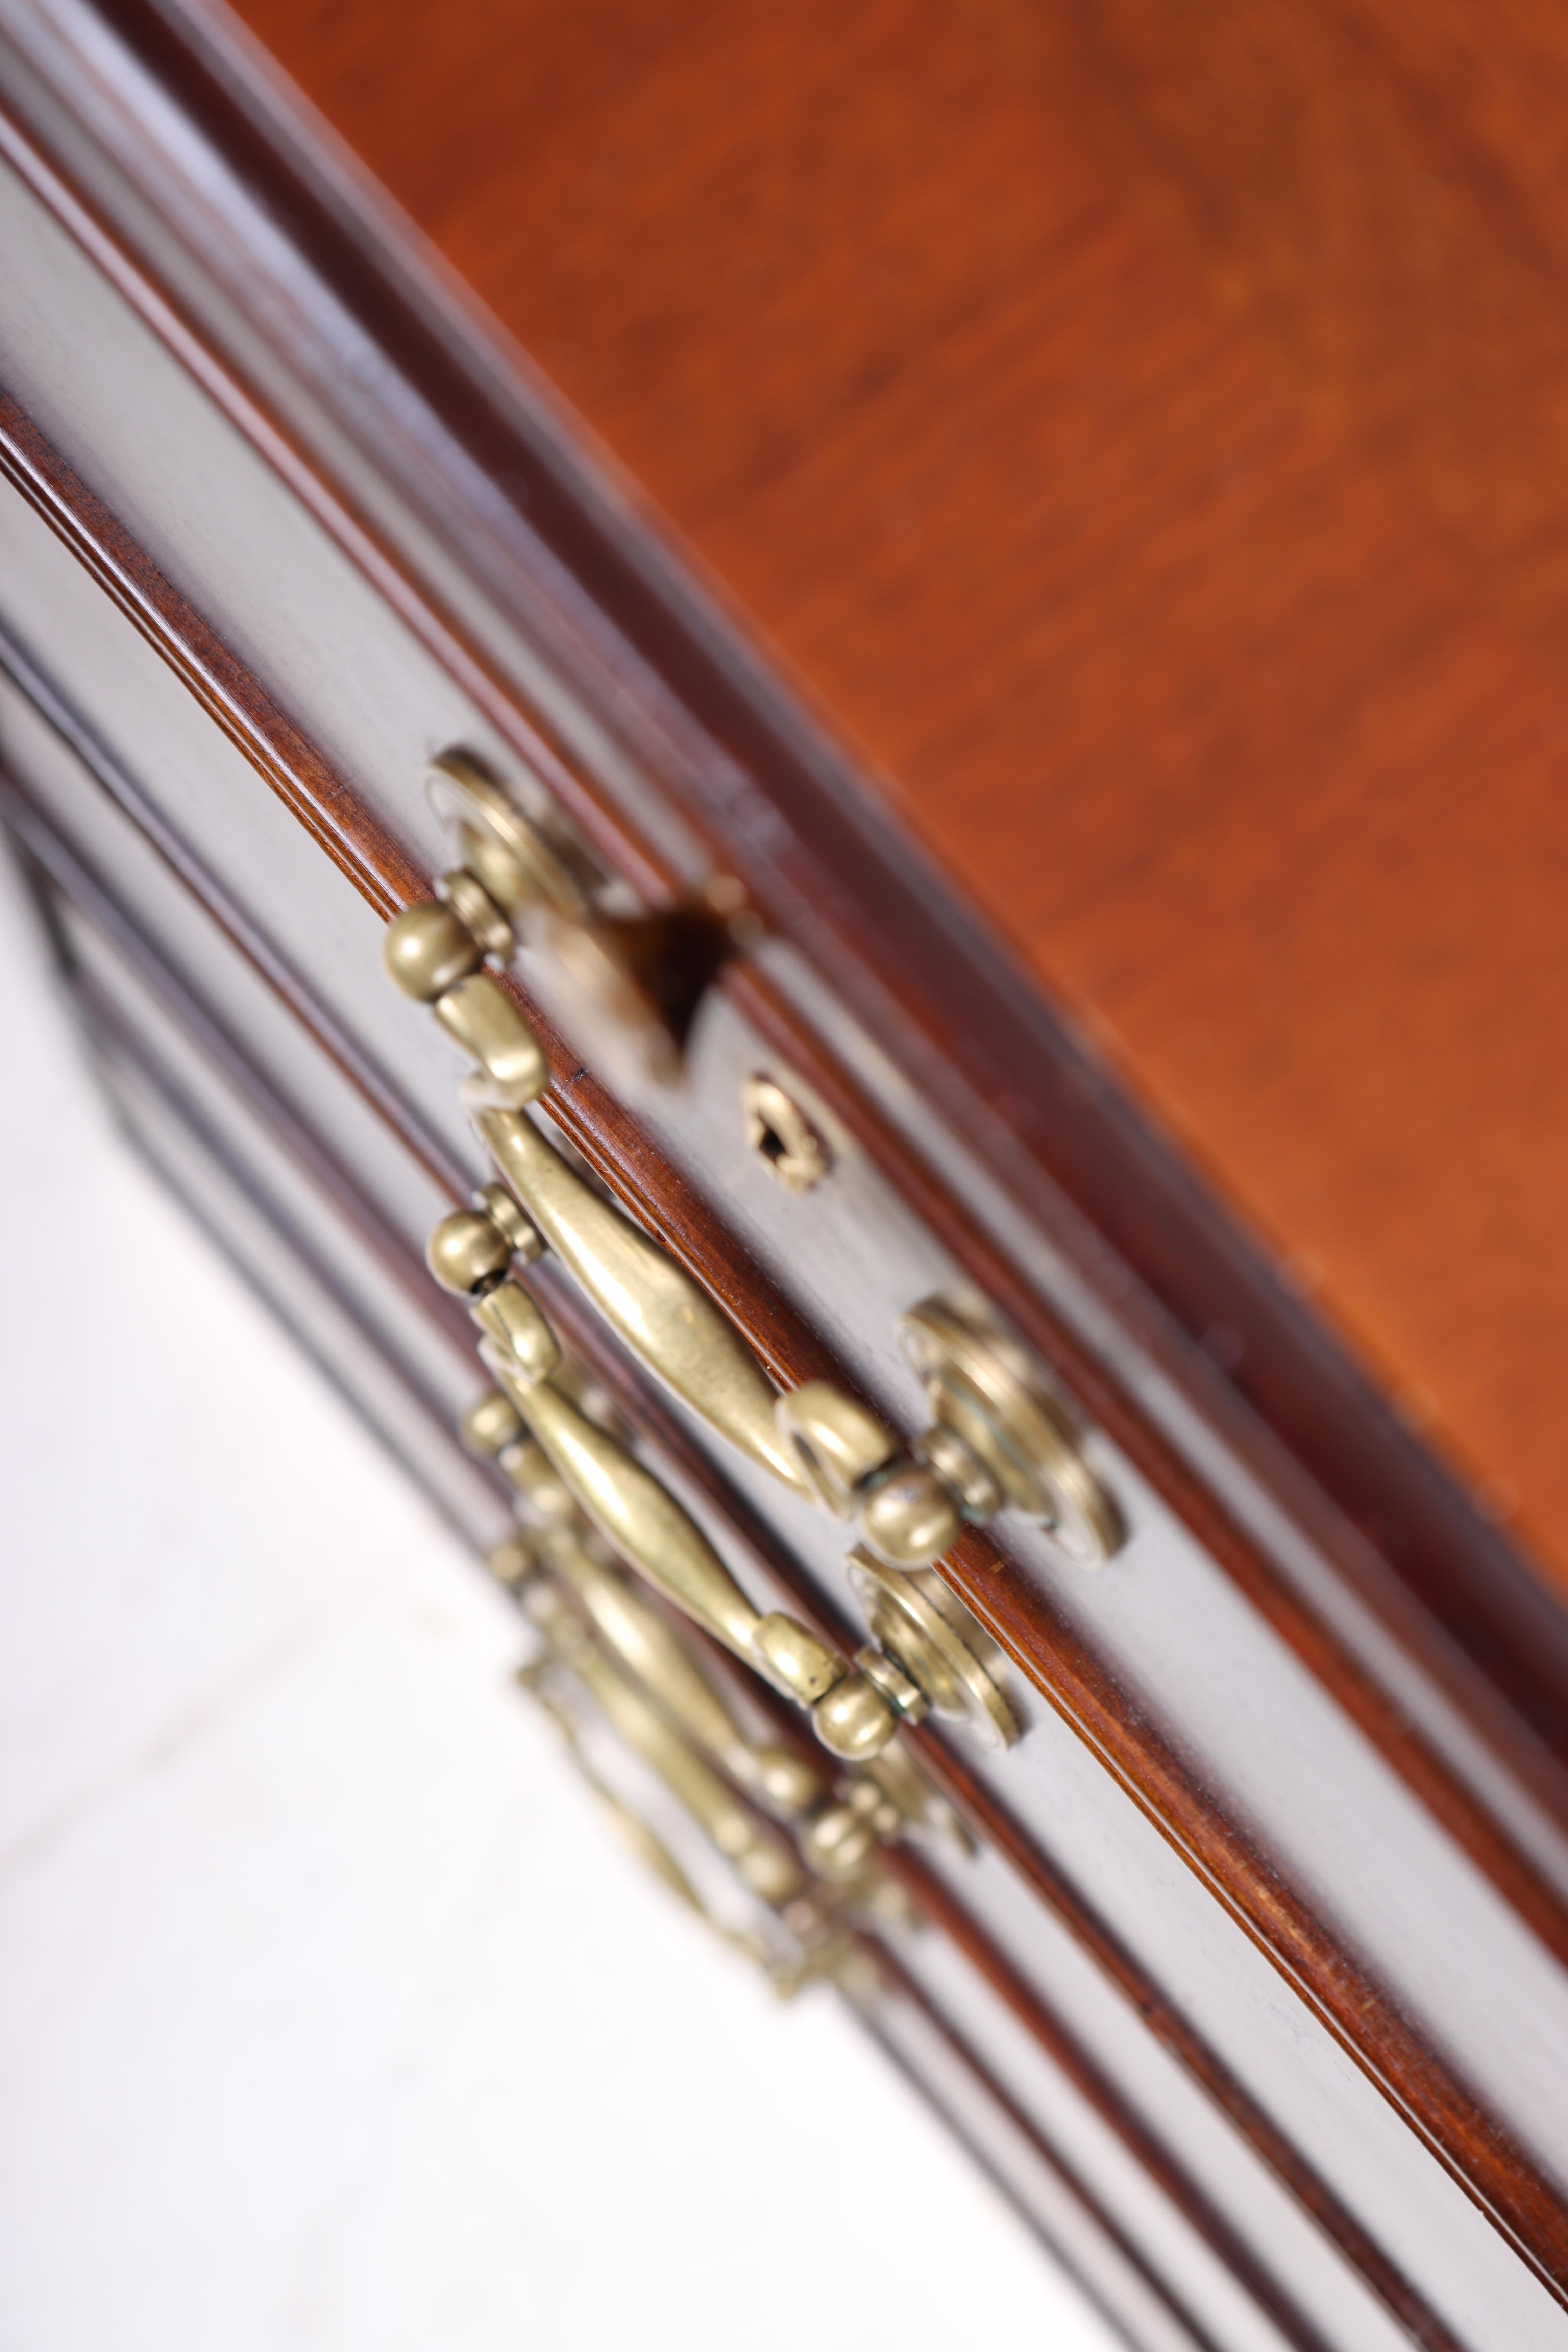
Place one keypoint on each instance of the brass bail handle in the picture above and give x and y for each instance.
(818, 1442)
(837, 1833)
(998, 1439)
(664, 1318)
(760, 1860)
(470, 1255)
(760, 1855)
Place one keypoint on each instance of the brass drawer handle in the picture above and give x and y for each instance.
(836, 1833)
(761, 1858)
(664, 1318)
(855, 1713)
(810, 1936)
(638, 1516)
(999, 1439)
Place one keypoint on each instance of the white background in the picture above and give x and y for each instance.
(330, 2015)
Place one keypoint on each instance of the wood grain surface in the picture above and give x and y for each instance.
(1140, 428)
(840, 879)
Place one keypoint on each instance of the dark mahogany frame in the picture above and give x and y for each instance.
(785, 808)
(1435, 2103)
(837, 879)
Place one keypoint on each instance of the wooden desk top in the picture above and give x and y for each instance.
(1143, 432)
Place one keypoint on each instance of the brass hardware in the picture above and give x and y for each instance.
(999, 1439)
(762, 1866)
(515, 861)
(856, 1468)
(761, 1859)
(856, 1720)
(837, 1444)
(496, 1202)
(909, 1510)
(467, 1254)
(649, 1647)
(782, 1136)
(435, 957)
(477, 912)
(468, 1251)
(910, 1796)
(513, 1560)
(639, 1835)
(645, 973)
(856, 1715)
(493, 1425)
(795, 1660)
(429, 949)
(985, 1394)
(904, 1696)
(908, 1517)
(960, 1468)
(514, 1327)
(665, 1317)
(642, 1521)
(839, 1842)
(496, 1428)
(836, 1834)
(637, 1516)
(837, 1837)
(668, 1322)
(817, 1947)
(535, 1477)
(478, 1015)
(930, 1635)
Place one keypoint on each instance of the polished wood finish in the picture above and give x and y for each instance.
(1136, 578)
(782, 808)
(1140, 428)
(1428, 2092)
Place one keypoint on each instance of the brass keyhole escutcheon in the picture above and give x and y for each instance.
(782, 1136)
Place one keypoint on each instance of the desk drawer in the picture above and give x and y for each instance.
(1075, 1892)
(1255, 1792)
(996, 2004)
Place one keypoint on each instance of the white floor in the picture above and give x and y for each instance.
(330, 2017)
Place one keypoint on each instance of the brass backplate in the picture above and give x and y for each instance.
(987, 1389)
(518, 862)
(931, 1635)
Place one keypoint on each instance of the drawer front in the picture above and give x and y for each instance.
(1097, 2123)
(293, 592)
(1119, 1898)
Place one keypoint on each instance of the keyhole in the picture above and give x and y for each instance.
(782, 1136)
